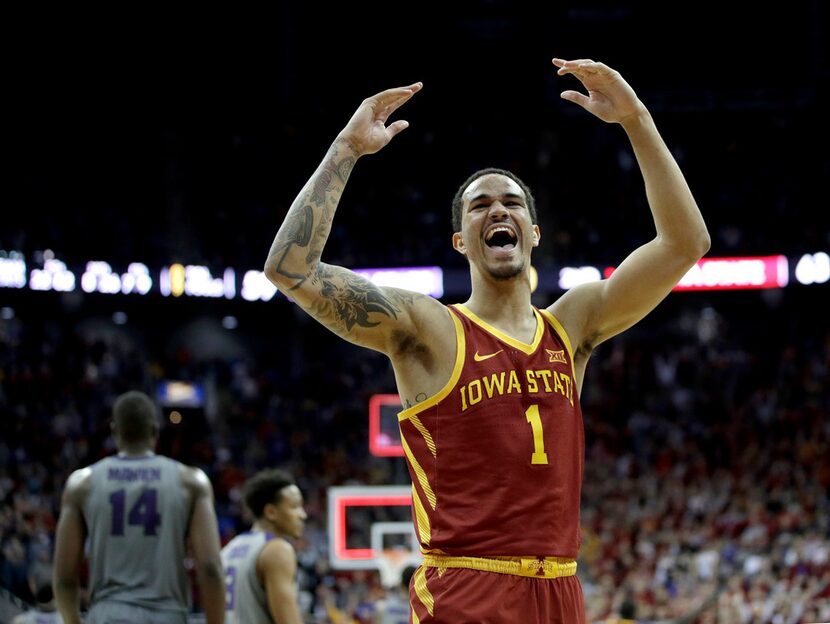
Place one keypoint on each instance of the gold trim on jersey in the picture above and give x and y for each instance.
(460, 346)
(415, 619)
(516, 344)
(424, 528)
(416, 422)
(535, 567)
(422, 591)
(419, 472)
(560, 331)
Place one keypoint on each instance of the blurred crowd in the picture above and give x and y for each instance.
(707, 485)
(707, 481)
(708, 473)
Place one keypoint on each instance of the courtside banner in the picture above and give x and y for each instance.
(738, 273)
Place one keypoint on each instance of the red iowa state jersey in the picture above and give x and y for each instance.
(496, 457)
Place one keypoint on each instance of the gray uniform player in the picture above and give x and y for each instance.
(137, 511)
(260, 565)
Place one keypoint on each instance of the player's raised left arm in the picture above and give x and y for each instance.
(595, 312)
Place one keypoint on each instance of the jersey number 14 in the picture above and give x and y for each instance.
(142, 513)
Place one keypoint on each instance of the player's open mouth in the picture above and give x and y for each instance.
(501, 238)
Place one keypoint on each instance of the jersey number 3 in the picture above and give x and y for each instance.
(230, 582)
(539, 456)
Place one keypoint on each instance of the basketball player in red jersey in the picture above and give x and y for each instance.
(491, 426)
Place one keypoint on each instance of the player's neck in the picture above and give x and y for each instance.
(135, 452)
(263, 526)
(502, 303)
(494, 296)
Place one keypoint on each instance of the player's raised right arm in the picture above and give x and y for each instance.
(69, 547)
(203, 535)
(344, 302)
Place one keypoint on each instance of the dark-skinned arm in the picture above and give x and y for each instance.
(69, 547)
(203, 535)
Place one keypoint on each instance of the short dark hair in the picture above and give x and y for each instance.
(457, 201)
(135, 417)
(265, 487)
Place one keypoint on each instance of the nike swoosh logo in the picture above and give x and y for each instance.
(481, 358)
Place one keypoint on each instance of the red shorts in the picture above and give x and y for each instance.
(461, 596)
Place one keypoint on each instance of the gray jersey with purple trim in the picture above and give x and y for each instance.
(246, 599)
(137, 514)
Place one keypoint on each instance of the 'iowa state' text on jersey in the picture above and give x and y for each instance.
(496, 457)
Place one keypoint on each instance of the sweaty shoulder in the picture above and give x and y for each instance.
(78, 485)
(277, 554)
(573, 311)
(195, 480)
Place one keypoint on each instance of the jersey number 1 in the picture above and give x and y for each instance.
(539, 456)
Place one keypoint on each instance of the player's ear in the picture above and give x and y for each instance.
(536, 235)
(458, 244)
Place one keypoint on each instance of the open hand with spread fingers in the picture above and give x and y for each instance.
(609, 97)
(367, 131)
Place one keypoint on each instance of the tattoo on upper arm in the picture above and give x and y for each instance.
(347, 299)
